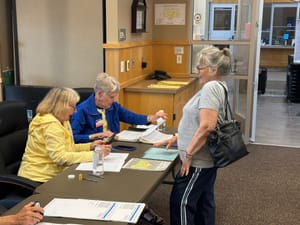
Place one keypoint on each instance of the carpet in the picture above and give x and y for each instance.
(261, 189)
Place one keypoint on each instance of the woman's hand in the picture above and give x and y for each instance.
(168, 142)
(101, 135)
(95, 143)
(186, 164)
(106, 149)
(29, 214)
(159, 114)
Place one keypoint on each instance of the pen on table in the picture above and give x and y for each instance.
(99, 176)
(88, 179)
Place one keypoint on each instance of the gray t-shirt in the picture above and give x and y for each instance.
(210, 96)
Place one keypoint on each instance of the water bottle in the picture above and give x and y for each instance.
(98, 161)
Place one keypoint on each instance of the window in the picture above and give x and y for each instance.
(226, 25)
(278, 25)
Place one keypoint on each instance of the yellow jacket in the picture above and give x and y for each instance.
(50, 149)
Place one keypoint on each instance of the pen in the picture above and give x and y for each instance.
(99, 176)
(88, 179)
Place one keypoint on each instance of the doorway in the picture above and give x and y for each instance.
(222, 21)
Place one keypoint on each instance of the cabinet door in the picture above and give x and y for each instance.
(150, 103)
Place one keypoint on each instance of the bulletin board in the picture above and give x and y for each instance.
(170, 14)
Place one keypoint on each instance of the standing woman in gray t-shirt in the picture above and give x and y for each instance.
(192, 197)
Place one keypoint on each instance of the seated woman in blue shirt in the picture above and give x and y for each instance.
(100, 114)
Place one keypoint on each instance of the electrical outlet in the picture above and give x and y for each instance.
(122, 66)
(127, 65)
(178, 59)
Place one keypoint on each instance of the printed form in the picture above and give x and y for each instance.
(94, 209)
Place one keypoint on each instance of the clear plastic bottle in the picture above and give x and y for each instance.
(98, 161)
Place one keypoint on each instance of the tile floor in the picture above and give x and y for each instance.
(278, 120)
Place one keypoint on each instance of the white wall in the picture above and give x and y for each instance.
(60, 42)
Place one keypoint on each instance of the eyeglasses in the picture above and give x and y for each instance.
(201, 67)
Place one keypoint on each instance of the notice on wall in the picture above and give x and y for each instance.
(297, 43)
(169, 14)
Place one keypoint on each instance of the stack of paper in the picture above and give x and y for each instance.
(161, 154)
(112, 163)
(150, 136)
(94, 209)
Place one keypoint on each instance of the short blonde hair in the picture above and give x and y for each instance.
(213, 57)
(106, 84)
(57, 101)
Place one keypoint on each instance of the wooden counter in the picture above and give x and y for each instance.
(141, 99)
(275, 56)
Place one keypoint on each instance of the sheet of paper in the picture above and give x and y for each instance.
(145, 126)
(146, 164)
(151, 135)
(161, 154)
(129, 135)
(94, 209)
(155, 136)
(112, 163)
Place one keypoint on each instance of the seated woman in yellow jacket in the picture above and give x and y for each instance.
(50, 145)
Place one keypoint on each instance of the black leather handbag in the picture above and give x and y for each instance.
(225, 143)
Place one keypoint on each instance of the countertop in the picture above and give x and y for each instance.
(277, 46)
(142, 86)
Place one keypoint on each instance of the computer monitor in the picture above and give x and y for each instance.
(285, 36)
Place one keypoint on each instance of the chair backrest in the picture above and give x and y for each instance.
(84, 93)
(13, 135)
(30, 94)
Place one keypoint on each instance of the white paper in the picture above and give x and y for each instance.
(155, 136)
(129, 135)
(150, 136)
(112, 163)
(94, 209)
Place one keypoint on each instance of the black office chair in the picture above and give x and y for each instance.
(84, 93)
(13, 137)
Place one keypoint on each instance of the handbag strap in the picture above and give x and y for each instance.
(226, 103)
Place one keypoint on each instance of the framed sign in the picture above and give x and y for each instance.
(138, 16)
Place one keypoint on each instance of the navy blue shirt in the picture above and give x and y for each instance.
(83, 121)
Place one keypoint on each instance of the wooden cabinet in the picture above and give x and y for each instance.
(275, 56)
(141, 99)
